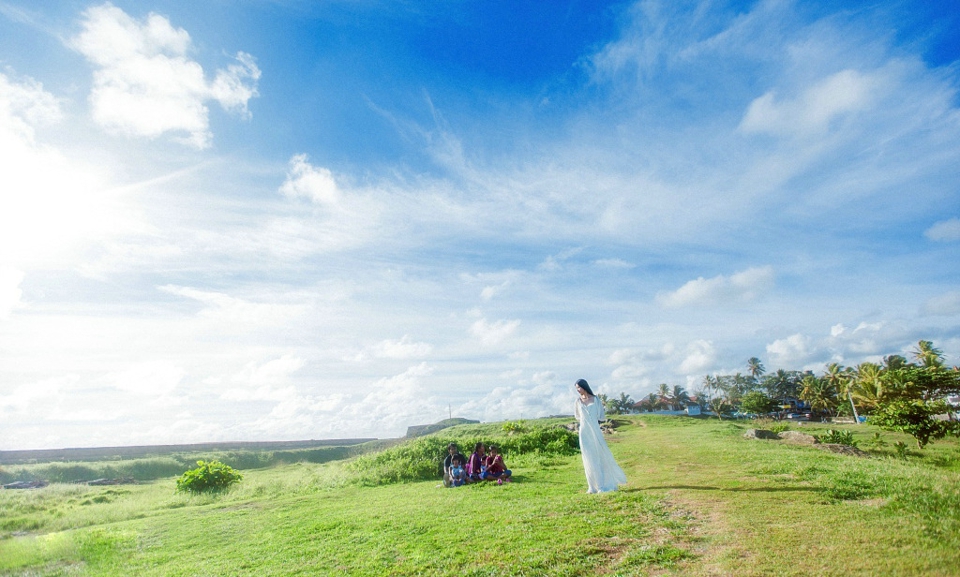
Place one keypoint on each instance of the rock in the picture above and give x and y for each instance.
(798, 438)
(120, 481)
(760, 434)
(26, 485)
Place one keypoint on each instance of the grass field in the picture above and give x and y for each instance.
(702, 500)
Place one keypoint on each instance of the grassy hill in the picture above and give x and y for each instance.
(702, 500)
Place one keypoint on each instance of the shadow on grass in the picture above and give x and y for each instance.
(730, 489)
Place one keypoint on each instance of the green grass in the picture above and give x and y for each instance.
(701, 501)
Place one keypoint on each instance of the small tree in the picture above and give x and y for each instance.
(916, 418)
(757, 402)
(913, 399)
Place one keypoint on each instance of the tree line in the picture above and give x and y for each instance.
(898, 394)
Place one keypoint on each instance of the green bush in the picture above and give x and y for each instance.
(514, 427)
(780, 427)
(208, 476)
(838, 437)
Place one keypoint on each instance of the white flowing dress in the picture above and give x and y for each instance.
(603, 472)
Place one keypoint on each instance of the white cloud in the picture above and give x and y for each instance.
(491, 291)
(700, 356)
(314, 183)
(145, 85)
(405, 348)
(493, 333)
(632, 365)
(238, 313)
(742, 286)
(613, 263)
(23, 106)
(154, 378)
(944, 231)
(812, 111)
(791, 351)
(269, 381)
(541, 396)
(947, 304)
(396, 402)
(32, 396)
(10, 291)
(49, 203)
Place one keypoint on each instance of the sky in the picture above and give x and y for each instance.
(257, 220)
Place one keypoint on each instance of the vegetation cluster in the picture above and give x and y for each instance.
(420, 459)
(209, 476)
(149, 468)
(909, 396)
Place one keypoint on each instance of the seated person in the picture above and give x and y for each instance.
(458, 475)
(452, 451)
(495, 467)
(477, 462)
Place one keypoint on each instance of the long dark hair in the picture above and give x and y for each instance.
(583, 385)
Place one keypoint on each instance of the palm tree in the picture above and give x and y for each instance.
(680, 398)
(664, 391)
(755, 368)
(624, 404)
(777, 384)
(820, 393)
(841, 378)
(928, 355)
(867, 387)
(653, 401)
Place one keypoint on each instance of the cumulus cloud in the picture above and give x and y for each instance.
(812, 111)
(23, 106)
(947, 304)
(539, 396)
(393, 403)
(634, 365)
(944, 231)
(307, 181)
(48, 203)
(493, 333)
(700, 356)
(791, 351)
(146, 85)
(742, 286)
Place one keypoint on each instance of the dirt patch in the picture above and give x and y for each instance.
(842, 450)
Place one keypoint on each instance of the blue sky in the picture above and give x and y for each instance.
(268, 220)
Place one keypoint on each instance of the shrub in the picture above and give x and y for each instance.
(514, 427)
(780, 427)
(208, 476)
(838, 437)
(901, 448)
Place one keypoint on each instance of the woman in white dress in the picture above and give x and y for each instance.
(603, 473)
